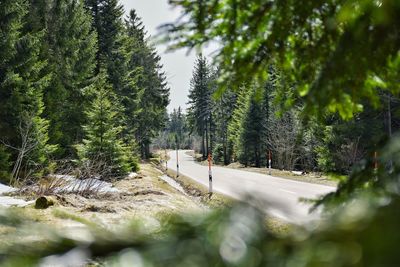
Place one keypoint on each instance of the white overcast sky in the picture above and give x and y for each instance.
(177, 65)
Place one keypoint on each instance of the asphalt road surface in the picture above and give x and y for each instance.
(280, 197)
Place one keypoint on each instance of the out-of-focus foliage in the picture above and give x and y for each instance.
(378, 176)
(335, 52)
(362, 233)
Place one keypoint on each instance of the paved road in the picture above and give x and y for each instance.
(281, 196)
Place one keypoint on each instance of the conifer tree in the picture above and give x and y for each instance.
(102, 140)
(253, 133)
(200, 102)
(23, 130)
(235, 125)
(223, 111)
(69, 46)
(151, 85)
(108, 24)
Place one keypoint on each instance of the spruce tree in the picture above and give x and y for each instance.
(200, 102)
(69, 46)
(22, 127)
(102, 142)
(253, 136)
(235, 126)
(151, 85)
(108, 24)
(224, 107)
(117, 47)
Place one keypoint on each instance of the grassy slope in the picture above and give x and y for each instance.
(144, 200)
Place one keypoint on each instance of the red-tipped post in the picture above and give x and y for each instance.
(177, 163)
(210, 189)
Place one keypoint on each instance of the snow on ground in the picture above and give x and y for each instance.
(6, 189)
(11, 201)
(72, 185)
(173, 183)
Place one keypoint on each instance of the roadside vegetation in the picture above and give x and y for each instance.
(330, 179)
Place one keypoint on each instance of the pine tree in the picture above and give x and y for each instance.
(102, 140)
(22, 127)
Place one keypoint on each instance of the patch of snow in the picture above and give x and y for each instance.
(6, 189)
(6, 201)
(72, 184)
(173, 183)
(74, 257)
(297, 172)
(65, 177)
(10, 201)
(132, 175)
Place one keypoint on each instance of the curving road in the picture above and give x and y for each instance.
(280, 196)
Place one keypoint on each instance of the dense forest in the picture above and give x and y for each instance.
(79, 84)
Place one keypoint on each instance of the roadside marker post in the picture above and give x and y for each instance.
(269, 161)
(177, 164)
(166, 160)
(210, 189)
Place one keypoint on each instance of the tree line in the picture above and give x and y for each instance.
(79, 82)
(249, 124)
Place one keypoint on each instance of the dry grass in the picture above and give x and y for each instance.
(144, 199)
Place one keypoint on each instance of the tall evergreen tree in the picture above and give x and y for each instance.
(200, 102)
(151, 84)
(69, 46)
(22, 127)
(235, 125)
(108, 24)
(102, 142)
(222, 114)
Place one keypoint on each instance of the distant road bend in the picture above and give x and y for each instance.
(280, 195)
